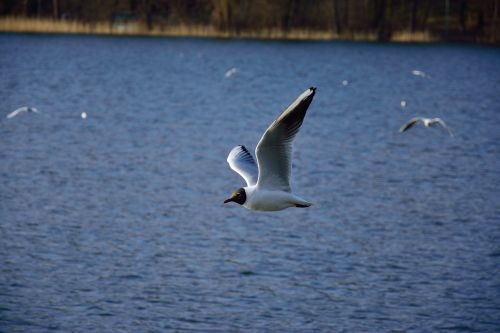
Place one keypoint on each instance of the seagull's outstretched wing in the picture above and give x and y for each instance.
(241, 161)
(17, 111)
(274, 150)
(442, 123)
(412, 122)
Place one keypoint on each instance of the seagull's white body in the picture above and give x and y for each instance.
(271, 200)
(20, 110)
(427, 122)
(268, 184)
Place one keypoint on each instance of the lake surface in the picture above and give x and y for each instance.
(115, 223)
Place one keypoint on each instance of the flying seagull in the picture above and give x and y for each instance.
(427, 122)
(268, 181)
(231, 72)
(20, 110)
(417, 72)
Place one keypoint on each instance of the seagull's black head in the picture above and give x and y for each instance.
(239, 196)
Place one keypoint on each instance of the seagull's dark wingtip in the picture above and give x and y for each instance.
(313, 89)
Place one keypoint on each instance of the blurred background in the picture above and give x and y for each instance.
(111, 213)
(397, 20)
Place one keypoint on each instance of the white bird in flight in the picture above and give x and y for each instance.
(231, 72)
(427, 122)
(417, 72)
(20, 110)
(268, 184)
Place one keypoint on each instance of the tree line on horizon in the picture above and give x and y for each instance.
(471, 20)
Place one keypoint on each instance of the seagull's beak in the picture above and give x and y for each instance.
(228, 200)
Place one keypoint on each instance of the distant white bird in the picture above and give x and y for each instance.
(84, 115)
(417, 72)
(403, 103)
(427, 122)
(231, 72)
(268, 184)
(20, 110)
(345, 82)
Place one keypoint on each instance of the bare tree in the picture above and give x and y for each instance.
(336, 15)
(55, 8)
(413, 15)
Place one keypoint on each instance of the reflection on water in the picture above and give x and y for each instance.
(115, 222)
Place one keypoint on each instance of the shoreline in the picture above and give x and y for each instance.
(51, 26)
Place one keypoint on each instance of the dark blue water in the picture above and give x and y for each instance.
(115, 223)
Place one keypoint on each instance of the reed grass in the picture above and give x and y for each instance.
(416, 36)
(29, 25)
